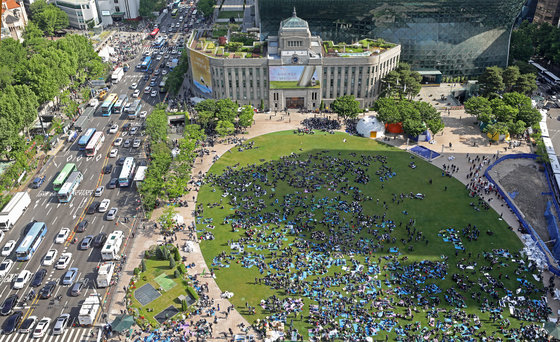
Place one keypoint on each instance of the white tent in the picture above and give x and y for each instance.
(178, 219)
(370, 127)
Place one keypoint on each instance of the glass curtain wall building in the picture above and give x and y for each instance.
(456, 37)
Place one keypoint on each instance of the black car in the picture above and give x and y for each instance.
(99, 240)
(112, 183)
(11, 323)
(126, 127)
(8, 305)
(38, 277)
(120, 162)
(78, 287)
(108, 169)
(81, 227)
(86, 242)
(92, 209)
(47, 290)
(146, 77)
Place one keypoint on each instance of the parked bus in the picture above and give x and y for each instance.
(108, 104)
(95, 144)
(159, 43)
(154, 33)
(134, 109)
(146, 63)
(111, 249)
(31, 241)
(84, 139)
(67, 191)
(119, 105)
(63, 176)
(174, 12)
(127, 172)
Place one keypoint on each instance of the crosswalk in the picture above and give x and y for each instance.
(151, 49)
(69, 335)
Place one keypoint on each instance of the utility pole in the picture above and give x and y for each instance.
(1, 17)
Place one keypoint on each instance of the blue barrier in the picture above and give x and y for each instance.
(517, 213)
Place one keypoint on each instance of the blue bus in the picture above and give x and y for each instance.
(159, 43)
(146, 63)
(31, 242)
(84, 139)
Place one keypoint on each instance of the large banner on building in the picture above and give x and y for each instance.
(200, 64)
(294, 76)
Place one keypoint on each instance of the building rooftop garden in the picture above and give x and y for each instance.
(239, 44)
(364, 47)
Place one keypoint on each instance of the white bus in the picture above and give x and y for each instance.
(95, 144)
(121, 102)
(111, 249)
(127, 172)
(134, 109)
(66, 193)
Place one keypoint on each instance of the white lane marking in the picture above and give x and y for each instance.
(49, 211)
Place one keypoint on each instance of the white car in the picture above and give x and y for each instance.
(143, 114)
(114, 129)
(134, 85)
(154, 93)
(118, 142)
(63, 261)
(112, 214)
(104, 205)
(5, 267)
(137, 142)
(147, 90)
(1, 235)
(99, 191)
(159, 57)
(113, 154)
(164, 72)
(42, 327)
(136, 93)
(94, 103)
(48, 259)
(28, 324)
(22, 278)
(8, 248)
(62, 235)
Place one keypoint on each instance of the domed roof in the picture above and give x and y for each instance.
(294, 22)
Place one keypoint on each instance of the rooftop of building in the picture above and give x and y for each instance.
(294, 22)
(9, 5)
(240, 44)
(364, 47)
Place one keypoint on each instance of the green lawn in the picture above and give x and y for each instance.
(230, 14)
(439, 210)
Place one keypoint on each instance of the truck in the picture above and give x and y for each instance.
(13, 210)
(117, 75)
(88, 310)
(104, 274)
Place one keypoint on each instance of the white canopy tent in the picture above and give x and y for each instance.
(370, 127)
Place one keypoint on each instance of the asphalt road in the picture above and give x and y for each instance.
(45, 207)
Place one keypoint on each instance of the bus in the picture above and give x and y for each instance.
(66, 193)
(549, 77)
(146, 63)
(176, 3)
(84, 139)
(174, 12)
(134, 109)
(108, 104)
(95, 144)
(111, 249)
(127, 172)
(119, 105)
(162, 84)
(63, 176)
(31, 241)
(159, 43)
(154, 33)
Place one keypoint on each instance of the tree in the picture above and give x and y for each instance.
(171, 263)
(480, 107)
(167, 219)
(510, 77)
(516, 128)
(346, 106)
(184, 305)
(500, 128)
(526, 84)
(387, 111)
(491, 81)
(224, 128)
(245, 117)
(226, 110)
(529, 115)
(194, 133)
(413, 127)
(156, 125)
(176, 254)
(48, 17)
(143, 265)
(147, 7)
(503, 112)
(401, 82)
(262, 105)
(206, 7)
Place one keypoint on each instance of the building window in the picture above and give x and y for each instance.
(117, 9)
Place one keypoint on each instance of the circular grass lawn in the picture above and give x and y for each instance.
(333, 223)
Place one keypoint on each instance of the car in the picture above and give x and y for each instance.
(92, 208)
(157, 72)
(112, 183)
(114, 129)
(37, 182)
(48, 259)
(134, 85)
(86, 242)
(126, 143)
(166, 56)
(63, 261)
(136, 93)
(126, 127)
(81, 227)
(164, 72)
(154, 93)
(133, 130)
(108, 169)
(143, 114)
(78, 287)
(41, 327)
(5, 267)
(104, 205)
(127, 107)
(112, 214)
(113, 154)
(94, 103)
(8, 248)
(70, 275)
(99, 240)
(137, 142)
(27, 325)
(38, 277)
(1, 235)
(99, 191)
(153, 84)
(60, 324)
(146, 77)
(159, 57)
(47, 290)
(62, 235)
(118, 142)
(174, 51)
(22, 278)
(8, 305)
(147, 90)
(11, 323)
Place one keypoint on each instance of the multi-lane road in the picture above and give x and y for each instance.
(45, 207)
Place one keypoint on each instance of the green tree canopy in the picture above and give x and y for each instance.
(156, 125)
(245, 117)
(346, 106)
(224, 128)
(206, 7)
(48, 17)
(401, 82)
(491, 82)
